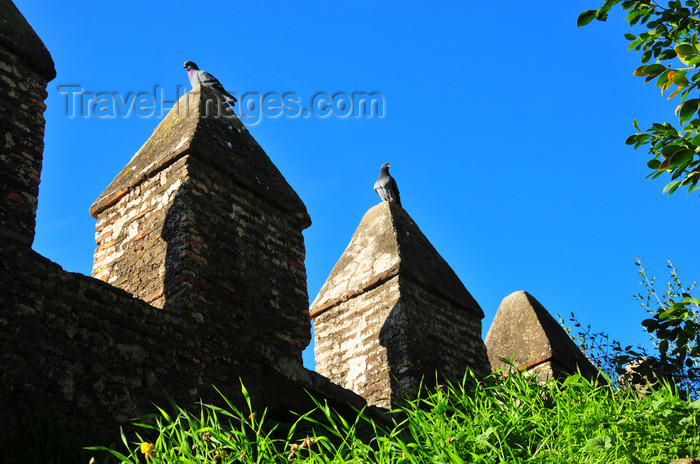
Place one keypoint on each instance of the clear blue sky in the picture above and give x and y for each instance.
(504, 125)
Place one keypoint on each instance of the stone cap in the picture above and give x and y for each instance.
(524, 332)
(18, 36)
(201, 125)
(388, 243)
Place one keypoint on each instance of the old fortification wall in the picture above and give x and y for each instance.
(88, 350)
(200, 281)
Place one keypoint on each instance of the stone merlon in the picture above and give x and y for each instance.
(393, 315)
(387, 243)
(18, 36)
(194, 127)
(524, 332)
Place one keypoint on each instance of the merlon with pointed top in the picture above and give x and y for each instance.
(200, 222)
(388, 243)
(393, 311)
(200, 125)
(25, 69)
(21, 40)
(524, 332)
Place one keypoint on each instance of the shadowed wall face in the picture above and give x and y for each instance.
(25, 69)
(241, 265)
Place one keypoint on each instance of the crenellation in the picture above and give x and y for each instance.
(199, 279)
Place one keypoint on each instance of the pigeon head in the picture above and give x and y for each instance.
(385, 167)
(190, 66)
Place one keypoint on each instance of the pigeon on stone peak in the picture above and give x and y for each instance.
(199, 77)
(385, 186)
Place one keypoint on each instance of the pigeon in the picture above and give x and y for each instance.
(386, 186)
(205, 79)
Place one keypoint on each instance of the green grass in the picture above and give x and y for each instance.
(509, 419)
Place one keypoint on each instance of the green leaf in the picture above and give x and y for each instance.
(600, 442)
(684, 49)
(630, 37)
(675, 92)
(640, 71)
(654, 69)
(680, 79)
(688, 109)
(670, 150)
(585, 17)
(667, 55)
(602, 13)
(670, 188)
(654, 164)
(681, 157)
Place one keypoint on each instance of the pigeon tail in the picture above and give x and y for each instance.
(203, 78)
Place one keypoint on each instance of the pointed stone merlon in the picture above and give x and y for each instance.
(525, 333)
(25, 69)
(200, 222)
(393, 311)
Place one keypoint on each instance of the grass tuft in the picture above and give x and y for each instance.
(501, 419)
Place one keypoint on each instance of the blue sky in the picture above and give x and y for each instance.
(504, 125)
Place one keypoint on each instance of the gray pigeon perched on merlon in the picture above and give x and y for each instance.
(198, 77)
(386, 186)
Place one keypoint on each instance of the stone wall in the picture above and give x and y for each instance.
(215, 246)
(393, 314)
(25, 69)
(252, 267)
(200, 281)
(82, 346)
(181, 229)
(442, 335)
(128, 240)
(89, 351)
(348, 349)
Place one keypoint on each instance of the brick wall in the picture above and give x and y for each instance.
(392, 313)
(183, 228)
(22, 94)
(127, 240)
(209, 235)
(348, 348)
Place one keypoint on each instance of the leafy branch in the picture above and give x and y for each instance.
(671, 38)
(674, 326)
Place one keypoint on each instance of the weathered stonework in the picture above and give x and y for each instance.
(92, 352)
(201, 282)
(525, 333)
(200, 216)
(200, 222)
(25, 69)
(393, 312)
